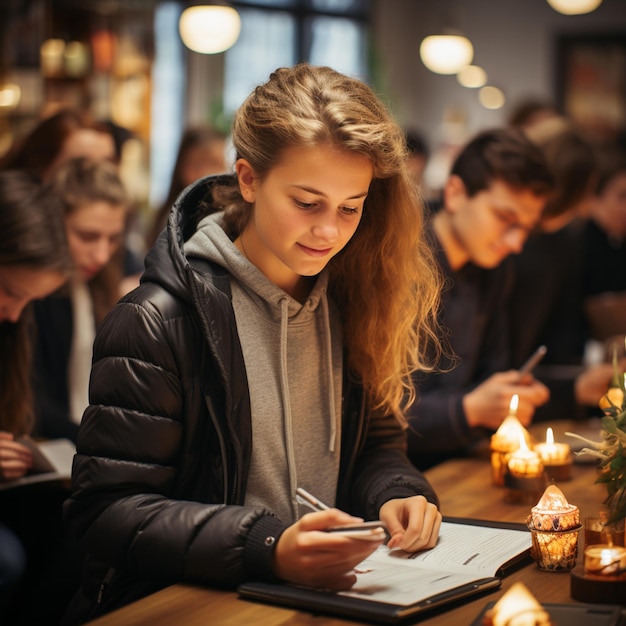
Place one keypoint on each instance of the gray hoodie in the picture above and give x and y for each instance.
(293, 355)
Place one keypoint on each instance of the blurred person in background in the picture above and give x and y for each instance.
(605, 237)
(38, 568)
(202, 151)
(418, 155)
(605, 251)
(546, 306)
(96, 207)
(532, 111)
(493, 198)
(67, 134)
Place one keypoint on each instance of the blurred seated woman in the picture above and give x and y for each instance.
(202, 151)
(96, 207)
(68, 134)
(34, 261)
(72, 134)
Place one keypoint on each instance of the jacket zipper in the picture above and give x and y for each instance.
(220, 438)
(106, 581)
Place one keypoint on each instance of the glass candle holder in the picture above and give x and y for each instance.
(605, 560)
(598, 531)
(554, 551)
(556, 457)
(505, 441)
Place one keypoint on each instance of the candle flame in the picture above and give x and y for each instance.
(514, 404)
(549, 436)
(523, 446)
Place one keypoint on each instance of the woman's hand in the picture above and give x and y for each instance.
(15, 459)
(307, 555)
(413, 523)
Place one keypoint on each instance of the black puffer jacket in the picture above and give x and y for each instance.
(164, 447)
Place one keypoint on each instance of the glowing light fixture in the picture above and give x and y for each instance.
(472, 76)
(491, 97)
(10, 95)
(209, 29)
(446, 54)
(51, 54)
(574, 7)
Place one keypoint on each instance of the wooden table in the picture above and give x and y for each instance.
(465, 490)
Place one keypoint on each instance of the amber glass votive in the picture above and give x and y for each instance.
(605, 560)
(598, 531)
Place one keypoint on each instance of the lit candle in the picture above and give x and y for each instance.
(556, 457)
(519, 607)
(525, 462)
(605, 560)
(553, 512)
(554, 524)
(505, 441)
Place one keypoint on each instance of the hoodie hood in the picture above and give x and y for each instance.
(166, 263)
(292, 351)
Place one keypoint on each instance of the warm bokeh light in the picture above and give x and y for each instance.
(491, 97)
(10, 95)
(446, 54)
(209, 29)
(51, 52)
(472, 76)
(574, 7)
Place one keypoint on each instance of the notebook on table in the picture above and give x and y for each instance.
(471, 557)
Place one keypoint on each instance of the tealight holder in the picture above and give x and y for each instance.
(505, 441)
(602, 579)
(524, 478)
(556, 458)
(599, 531)
(523, 489)
(554, 550)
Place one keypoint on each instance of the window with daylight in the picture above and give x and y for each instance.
(277, 33)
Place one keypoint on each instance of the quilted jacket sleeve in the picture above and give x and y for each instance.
(126, 505)
(377, 469)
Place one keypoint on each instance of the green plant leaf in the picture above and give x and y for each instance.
(608, 424)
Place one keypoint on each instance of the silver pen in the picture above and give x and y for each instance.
(304, 497)
(360, 530)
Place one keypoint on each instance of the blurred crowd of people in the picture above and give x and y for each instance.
(65, 260)
(529, 231)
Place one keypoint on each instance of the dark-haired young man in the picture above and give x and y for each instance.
(492, 200)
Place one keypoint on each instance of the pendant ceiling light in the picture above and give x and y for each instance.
(210, 28)
(472, 76)
(446, 54)
(574, 7)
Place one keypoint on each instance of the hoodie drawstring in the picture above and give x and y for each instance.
(284, 380)
(329, 367)
(284, 321)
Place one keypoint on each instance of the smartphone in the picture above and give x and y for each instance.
(373, 530)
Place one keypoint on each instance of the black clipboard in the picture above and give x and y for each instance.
(327, 602)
